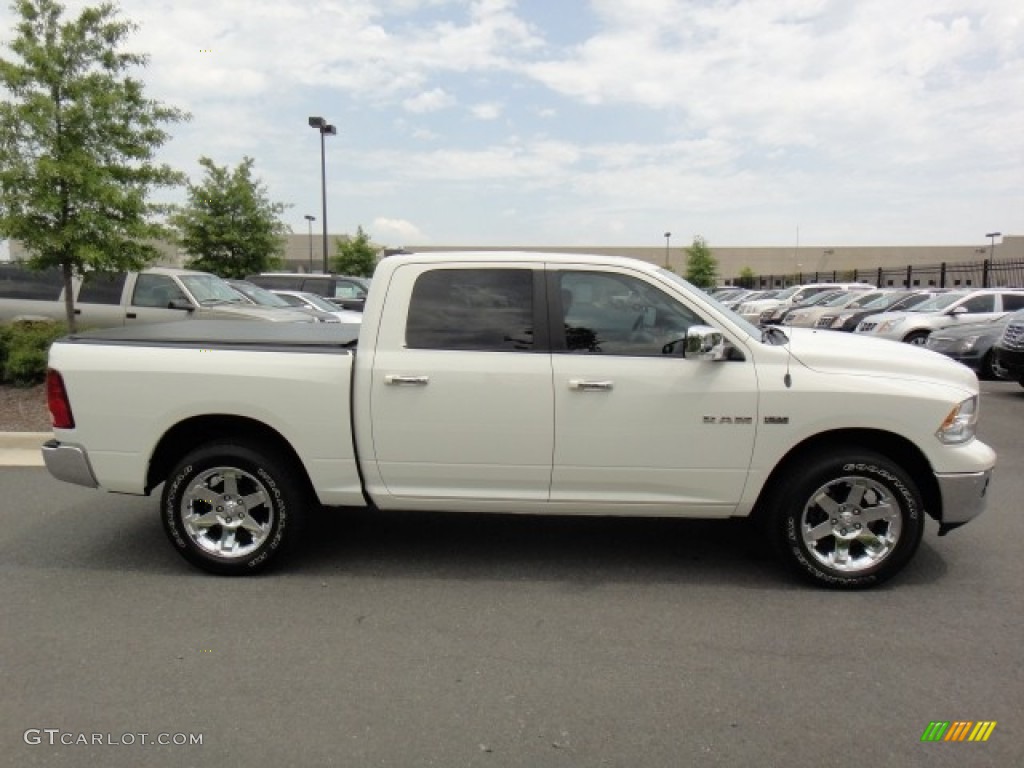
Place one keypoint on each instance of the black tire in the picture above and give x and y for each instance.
(851, 520)
(917, 338)
(987, 370)
(232, 509)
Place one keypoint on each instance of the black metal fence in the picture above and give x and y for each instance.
(990, 273)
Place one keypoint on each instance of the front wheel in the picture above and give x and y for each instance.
(917, 338)
(231, 508)
(852, 520)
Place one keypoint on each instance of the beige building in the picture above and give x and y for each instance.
(774, 266)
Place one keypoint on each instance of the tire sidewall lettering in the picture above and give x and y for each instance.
(791, 513)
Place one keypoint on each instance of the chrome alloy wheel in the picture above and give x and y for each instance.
(227, 512)
(851, 524)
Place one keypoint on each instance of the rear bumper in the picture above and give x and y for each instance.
(69, 463)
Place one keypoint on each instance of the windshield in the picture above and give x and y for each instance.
(866, 300)
(702, 297)
(788, 292)
(839, 301)
(320, 302)
(209, 288)
(260, 295)
(885, 300)
(940, 302)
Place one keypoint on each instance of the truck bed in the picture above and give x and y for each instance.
(212, 377)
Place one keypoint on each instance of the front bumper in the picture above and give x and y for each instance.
(1010, 360)
(964, 497)
(69, 463)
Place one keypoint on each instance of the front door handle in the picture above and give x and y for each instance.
(408, 381)
(590, 386)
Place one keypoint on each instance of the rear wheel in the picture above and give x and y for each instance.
(231, 508)
(853, 520)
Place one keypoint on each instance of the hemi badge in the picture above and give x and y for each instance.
(776, 419)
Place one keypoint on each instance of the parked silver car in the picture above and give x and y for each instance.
(320, 304)
(947, 309)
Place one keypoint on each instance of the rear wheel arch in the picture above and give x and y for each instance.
(187, 435)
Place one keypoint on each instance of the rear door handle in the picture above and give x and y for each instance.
(397, 380)
(590, 386)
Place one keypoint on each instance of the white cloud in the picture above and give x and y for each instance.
(486, 111)
(865, 121)
(405, 231)
(428, 101)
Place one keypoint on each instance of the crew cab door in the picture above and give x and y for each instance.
(635, 422)
(460, 388)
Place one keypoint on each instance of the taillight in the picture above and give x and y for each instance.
(57, 401)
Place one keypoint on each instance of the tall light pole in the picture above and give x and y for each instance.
(309, 221)
(667, 236)
(992, 243)
(325, 130)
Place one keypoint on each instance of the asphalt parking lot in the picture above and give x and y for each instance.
(443, 640)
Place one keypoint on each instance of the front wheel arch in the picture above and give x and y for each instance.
(917, 338)
(894, 447)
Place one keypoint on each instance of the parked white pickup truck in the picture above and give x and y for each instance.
(525, 383)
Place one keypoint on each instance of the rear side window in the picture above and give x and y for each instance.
(321, 286)
(488, 310)
(1013, 301)
(985, 303)
(18, 282)
(102, 288)
(346, 289)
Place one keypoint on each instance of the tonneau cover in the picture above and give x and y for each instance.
(226, 333)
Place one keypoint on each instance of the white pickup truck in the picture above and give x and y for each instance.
(525, 383)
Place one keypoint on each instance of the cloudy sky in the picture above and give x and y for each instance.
(607, 122)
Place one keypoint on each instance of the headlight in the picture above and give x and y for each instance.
(959, 425)
(966, 344)
(888, 325)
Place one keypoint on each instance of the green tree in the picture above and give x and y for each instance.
(746, 279)
(229, 226)
(77, 142)
(701, 267)
(354, 255)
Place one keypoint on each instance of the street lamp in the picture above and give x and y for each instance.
(992, 247)
(325, 130)
(667, 236)
(310, 220)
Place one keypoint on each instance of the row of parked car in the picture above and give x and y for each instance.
(981, 328)
(164, 294)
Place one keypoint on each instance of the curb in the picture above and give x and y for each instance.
(22, 449)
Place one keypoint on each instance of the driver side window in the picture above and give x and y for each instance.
(613, 314)
(156, 291)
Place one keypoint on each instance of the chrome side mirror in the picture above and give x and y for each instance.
(705, 343)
